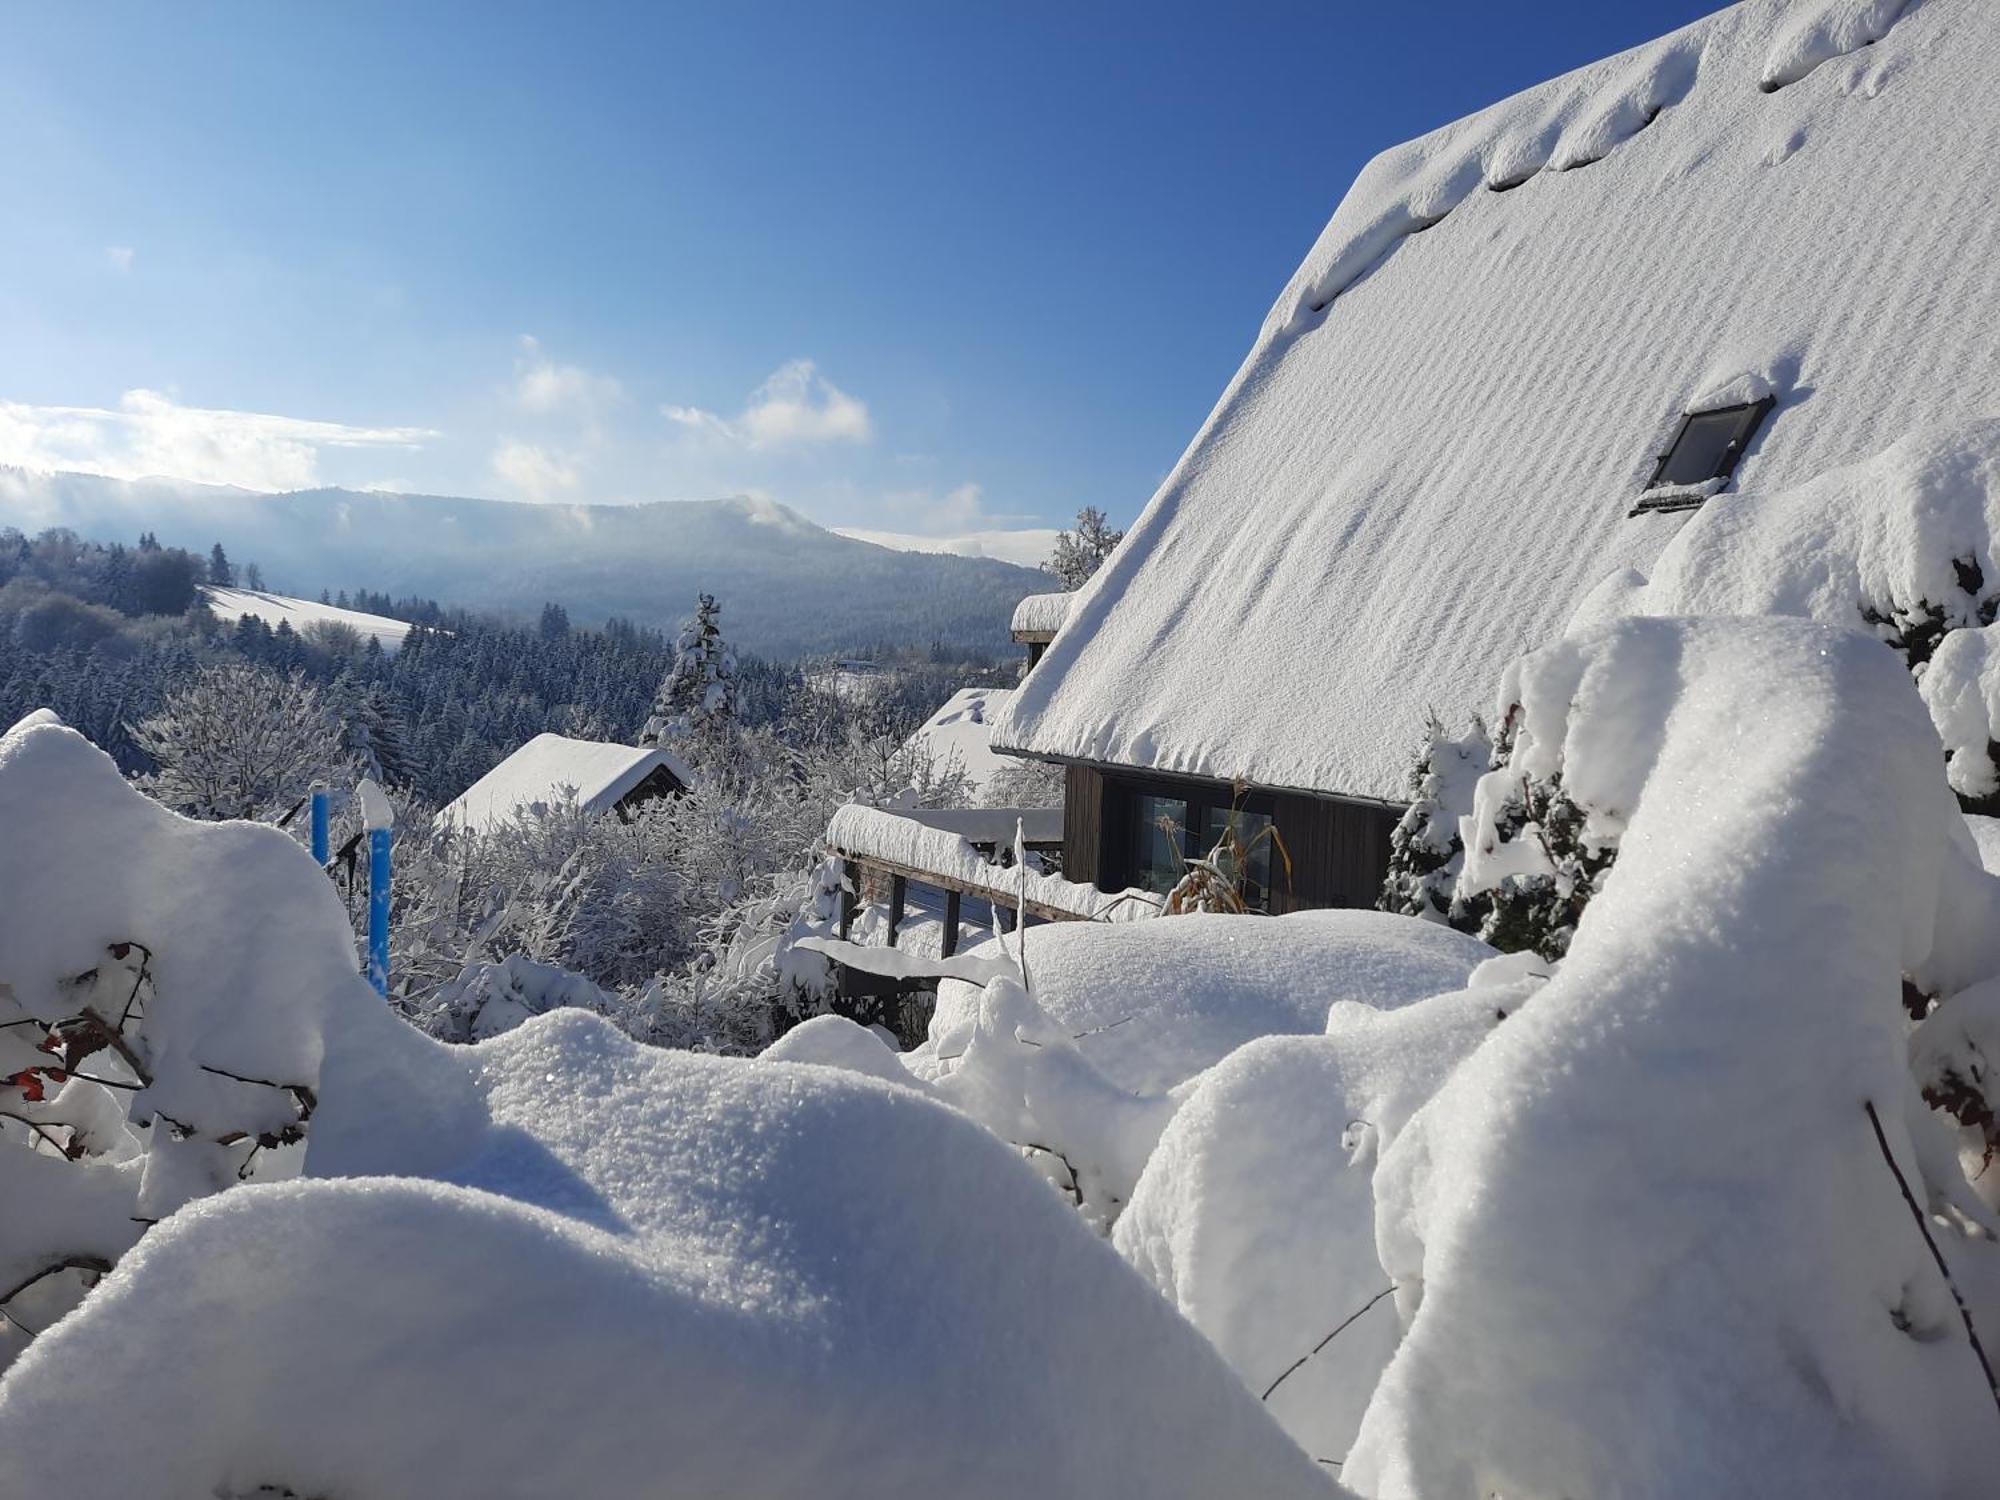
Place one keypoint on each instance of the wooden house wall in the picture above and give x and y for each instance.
(1339, 850)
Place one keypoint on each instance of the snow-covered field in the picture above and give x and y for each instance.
(302, 614)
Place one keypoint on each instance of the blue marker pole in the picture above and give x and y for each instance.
(378, 908)
(319, 836)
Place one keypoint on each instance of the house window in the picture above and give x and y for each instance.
(1168, 825)
(1708, 445)
(1161, 824)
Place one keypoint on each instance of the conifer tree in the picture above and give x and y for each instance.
(696, 701)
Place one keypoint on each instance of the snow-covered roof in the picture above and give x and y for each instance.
(964, 726)
(1428, 458)
(274, 609)
(536, 774)
(1040, 616)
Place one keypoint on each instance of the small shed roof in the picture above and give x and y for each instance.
(602, 775)
(1039, 616)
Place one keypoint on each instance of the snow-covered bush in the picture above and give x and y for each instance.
(487, 999)
(1668, 1231)
(1426, 850)
(1961, 686)
(165, 987)
(241, 742)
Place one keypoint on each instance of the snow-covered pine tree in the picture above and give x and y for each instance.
(696, 701)
(220, 573)
(1425, 850)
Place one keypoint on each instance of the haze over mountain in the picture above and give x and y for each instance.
(787, 585)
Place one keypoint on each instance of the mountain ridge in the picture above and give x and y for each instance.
(788, 585)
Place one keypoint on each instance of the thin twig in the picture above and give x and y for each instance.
(1345, 1323)
(91, 1263)
(42, 1132)
(119, 1045)
(1917, 1213)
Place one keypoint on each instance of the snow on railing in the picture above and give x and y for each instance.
(906, 846)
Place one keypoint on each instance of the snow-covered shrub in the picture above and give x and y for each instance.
(165, 988)
(1668, 1230)
(487, 999)
(1426, 850)
(749, 983)
(1025, 783)
(1955, 1055)
(1961, 687)
(238, 741)
(748, 1264)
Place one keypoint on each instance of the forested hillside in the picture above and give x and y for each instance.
(792, 587)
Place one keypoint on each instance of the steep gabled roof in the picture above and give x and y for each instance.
(536, 774)
(1429, 456)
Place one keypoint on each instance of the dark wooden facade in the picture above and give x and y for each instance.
(1339, 848)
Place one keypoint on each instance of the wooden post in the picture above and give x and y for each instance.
(898, 889)
(847, 903)
(950, 945)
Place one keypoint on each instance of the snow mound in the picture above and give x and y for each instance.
(1151, 1004)
(716, 1272)
(1644, 1238)
(1823, 30)
(1255, 1214)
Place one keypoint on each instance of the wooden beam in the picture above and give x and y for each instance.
(950, 943)
(899, 888)
(848, 880)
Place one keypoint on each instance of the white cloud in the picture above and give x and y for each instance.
(535, 472)
(120, 257)
(152, 434)
(543, 387)
(795, 405)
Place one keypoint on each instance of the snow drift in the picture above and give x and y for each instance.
(1255, 1214)
(716, 1271)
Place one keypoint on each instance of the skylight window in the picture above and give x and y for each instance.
(1708, 445)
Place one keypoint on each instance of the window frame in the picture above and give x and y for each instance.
(1127, 835)
(1751, 415)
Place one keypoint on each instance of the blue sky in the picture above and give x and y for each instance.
(912, 267)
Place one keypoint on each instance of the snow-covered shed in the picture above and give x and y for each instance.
(1036, 620)
(605, 778)
(1530, 349)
